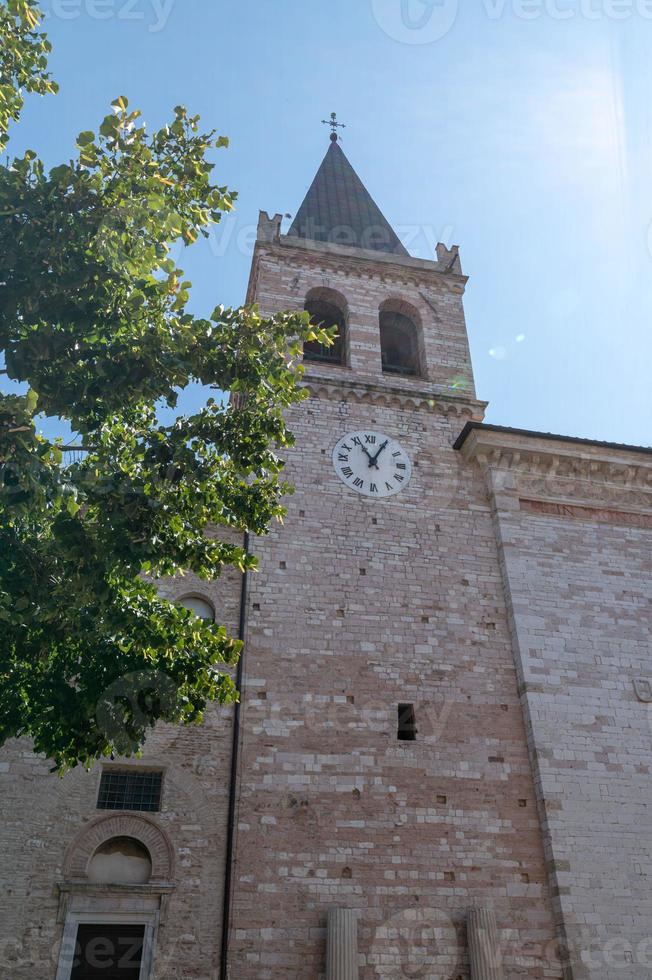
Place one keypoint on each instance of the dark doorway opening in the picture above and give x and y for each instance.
(108, 951)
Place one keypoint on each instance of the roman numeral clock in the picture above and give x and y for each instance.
(372, 464)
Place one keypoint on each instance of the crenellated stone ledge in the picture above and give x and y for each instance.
(432, 399)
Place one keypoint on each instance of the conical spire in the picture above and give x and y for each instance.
(339, 209)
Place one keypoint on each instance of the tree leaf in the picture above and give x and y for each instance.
(31, 399)
(95, 318)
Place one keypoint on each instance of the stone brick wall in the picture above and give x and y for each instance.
(361, 605)
(574, 527)
(45, 817)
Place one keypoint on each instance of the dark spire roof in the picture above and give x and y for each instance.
(339, 209)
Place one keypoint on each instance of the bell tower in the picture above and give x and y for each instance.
(385, 801)
(400, 319)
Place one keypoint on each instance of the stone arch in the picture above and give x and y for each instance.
(401, 338)
(120, 861)
(328, 306)
(146, 832)
(329, 295)
(199, 603)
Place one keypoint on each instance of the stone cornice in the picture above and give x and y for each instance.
(551, 468)
(393, 395)
(95, 888)
(362, 262)
(516, 448)
(385, 259)
(508, 435)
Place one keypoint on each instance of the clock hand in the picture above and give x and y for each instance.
(375, 458)
(372, 461)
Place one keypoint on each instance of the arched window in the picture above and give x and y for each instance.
(326, 309)
(120, 861)
(399, 343)
(199, 606)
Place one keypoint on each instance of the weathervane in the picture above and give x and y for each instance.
(335, 125)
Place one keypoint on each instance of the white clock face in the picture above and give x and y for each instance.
(372, 464)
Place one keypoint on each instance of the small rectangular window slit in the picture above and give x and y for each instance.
(407, 725)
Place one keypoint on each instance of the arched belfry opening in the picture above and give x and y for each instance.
(327, 308)
(399, 340)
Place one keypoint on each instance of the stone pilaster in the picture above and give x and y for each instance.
(342, 945)
(484, 953)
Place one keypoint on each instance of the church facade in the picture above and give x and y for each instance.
(441, 763)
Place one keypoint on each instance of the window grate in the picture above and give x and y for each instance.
(325, 314)
(127, 789)
(409, 372)
(326, 355)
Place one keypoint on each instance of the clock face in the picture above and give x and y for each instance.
(372, 464)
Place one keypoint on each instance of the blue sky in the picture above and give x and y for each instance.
(518, 129)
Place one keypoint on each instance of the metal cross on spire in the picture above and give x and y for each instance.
(335, 125)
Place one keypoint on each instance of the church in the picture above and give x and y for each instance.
(440, 766)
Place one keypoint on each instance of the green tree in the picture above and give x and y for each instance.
(94, 319)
